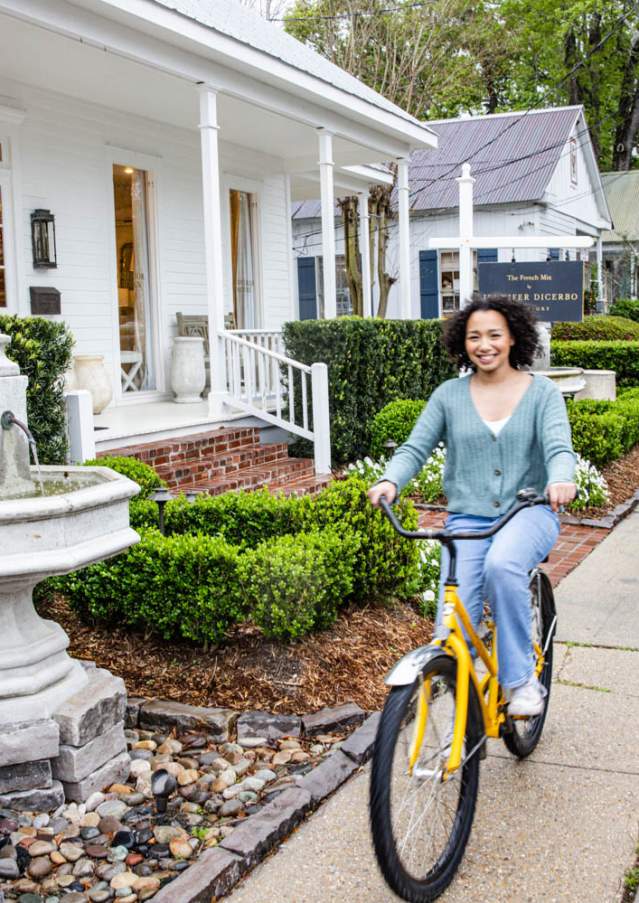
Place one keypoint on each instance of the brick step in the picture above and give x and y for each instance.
(275, 475)
(184, 448)
(180, 474)
(308, 485)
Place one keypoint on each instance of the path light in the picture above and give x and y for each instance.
(163, 785)
(161, 497)
(390, 445)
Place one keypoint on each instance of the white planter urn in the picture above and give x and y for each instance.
(92, 375)
(188, 373)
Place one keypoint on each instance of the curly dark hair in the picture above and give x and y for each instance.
(521, 324)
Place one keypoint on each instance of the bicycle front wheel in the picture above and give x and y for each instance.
(421, 823)
(523, 735)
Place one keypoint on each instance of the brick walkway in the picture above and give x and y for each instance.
(574, 544)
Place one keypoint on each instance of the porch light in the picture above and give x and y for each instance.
(43, 240)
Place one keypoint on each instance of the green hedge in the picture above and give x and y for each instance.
(42, 349)
(146, 478)
(602, 431)
(625, 307)
(620, 356)
(284, 563)
(175, 586)
(598, 328)
(395, 421)
(370, 362)
(295, 584)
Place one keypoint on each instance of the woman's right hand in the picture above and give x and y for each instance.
(385, 488)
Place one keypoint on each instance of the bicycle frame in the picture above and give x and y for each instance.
(457, 624)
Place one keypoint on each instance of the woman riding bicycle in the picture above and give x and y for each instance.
(504, 429)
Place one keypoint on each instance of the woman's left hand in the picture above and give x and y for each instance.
(560, 494)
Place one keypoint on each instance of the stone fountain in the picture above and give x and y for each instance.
(61, 721)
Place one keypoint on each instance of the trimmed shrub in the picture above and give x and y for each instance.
(175, 586)
(386, 565)
(620, 356)
(598, 437)
(243, 518)
(141, 473)
(143, 513)
(42, 349)
(625, 307)
(395, 421)
(598, 328)
(295, 584)
(370, 362)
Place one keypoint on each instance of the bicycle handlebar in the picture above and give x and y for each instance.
(527, 498)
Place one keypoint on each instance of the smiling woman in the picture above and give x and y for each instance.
(505, 429)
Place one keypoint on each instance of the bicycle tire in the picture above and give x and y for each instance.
(423, 888)
(522, 737)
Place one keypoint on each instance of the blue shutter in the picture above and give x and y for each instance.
(553, 253)
(429, 285)
(486, 255)
(306, 288)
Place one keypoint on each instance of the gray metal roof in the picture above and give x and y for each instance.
(236, 21)
(622, 194)
(513, 157)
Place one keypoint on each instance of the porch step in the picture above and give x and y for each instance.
(226, 459)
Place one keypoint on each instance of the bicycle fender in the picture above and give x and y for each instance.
(410, 666)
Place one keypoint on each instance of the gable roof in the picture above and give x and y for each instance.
(622, 194)
(513, 157)
(233, 20)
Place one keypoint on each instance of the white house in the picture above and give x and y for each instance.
(535, 173)
(168, 140)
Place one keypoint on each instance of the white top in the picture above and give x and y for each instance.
(496, 426)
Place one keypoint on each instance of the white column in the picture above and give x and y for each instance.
(327, 194)
(600, 277)
(404, 239)
(465, 183)
(213, 249)
(365, 253)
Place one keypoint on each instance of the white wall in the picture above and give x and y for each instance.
(61, 162)
(578, 202)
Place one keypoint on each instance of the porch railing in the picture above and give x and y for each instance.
(271, 339)
(267, 384)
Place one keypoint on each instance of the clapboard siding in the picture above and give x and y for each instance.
(64, 166)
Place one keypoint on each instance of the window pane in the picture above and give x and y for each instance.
(3, 294)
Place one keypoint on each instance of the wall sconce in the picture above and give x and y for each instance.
(43, 240)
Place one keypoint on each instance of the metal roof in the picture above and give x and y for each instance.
(622, 194)
(513, 157)
(243, 24)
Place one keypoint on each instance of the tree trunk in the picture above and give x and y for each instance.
(353, 260)
(381, 197)
(626, 131)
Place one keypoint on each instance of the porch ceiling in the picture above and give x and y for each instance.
(44, 59)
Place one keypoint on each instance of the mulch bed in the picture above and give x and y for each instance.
(346, 663)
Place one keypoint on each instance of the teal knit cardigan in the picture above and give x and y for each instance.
(484, 472)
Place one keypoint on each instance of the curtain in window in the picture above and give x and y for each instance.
(143, 334)
(242, 261)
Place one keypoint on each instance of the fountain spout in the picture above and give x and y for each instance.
(9, 419)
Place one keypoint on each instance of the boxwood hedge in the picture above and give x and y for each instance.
(620, 356)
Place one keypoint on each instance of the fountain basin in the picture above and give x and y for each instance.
(42, 536)
(569, 380)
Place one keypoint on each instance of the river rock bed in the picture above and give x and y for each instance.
(118, 846)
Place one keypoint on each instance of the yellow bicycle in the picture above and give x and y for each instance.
(434, 726)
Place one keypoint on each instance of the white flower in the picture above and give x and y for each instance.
(429, 596)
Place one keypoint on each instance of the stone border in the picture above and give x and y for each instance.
(219, 868)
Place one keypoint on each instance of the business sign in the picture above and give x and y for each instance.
(554, 290)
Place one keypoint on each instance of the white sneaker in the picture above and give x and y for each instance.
(527, 700)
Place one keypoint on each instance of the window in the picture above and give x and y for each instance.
(449, 280)
(135, 291)
(343, 300)
(573, 161)
(242, 205)
(3, 284)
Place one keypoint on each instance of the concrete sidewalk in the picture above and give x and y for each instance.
(561, 826)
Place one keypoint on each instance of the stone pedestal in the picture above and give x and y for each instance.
(80, 749)
(600, 385)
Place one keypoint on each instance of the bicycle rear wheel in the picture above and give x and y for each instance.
(421, 824)
(522, 735)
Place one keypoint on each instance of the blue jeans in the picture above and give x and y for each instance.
(497, 569)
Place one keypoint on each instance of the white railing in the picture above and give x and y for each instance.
(271, 339)
(279, 390)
